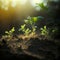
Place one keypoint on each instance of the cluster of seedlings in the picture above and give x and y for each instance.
(29, 30)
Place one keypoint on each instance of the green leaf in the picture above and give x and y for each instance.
(35, 19)
(6, 32)
(13, 29)
(42, 6)
(23, 26)
(44, 27)
(10, 31)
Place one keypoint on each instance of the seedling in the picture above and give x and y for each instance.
(44, 31)
(9, 33)
(25, 30)
(32, 21)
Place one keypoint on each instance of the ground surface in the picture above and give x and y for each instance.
(37, 50)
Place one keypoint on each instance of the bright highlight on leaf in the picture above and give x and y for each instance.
(13, 29)
(35, 19)
(10, 32)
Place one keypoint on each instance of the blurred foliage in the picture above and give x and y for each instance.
(51, 10)
(32, 21)
(42, 6)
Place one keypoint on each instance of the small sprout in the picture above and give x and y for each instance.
(22, 27)
(6, 32)
(27, 31)
(10, 33)
(44, 31)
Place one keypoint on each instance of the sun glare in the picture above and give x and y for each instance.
(5, 3)
(13, 3)
(33, 2)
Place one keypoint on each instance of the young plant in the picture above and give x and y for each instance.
(22, 28)
(9, 33)
(32, 21)
(25, 30)
(44, 31)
